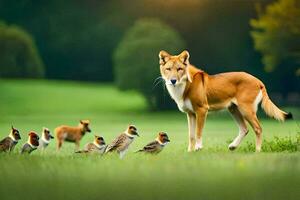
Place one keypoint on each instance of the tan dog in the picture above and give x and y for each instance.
(196, 93)
(72, 134)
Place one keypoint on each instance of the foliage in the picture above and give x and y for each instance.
(277, 144)
(19, 56)
(277, 34)
(136, 58)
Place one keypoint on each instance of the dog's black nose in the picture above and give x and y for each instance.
(173, 81)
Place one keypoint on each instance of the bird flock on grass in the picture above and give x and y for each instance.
(64, 133)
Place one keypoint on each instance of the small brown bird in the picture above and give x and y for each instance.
(32, 143)
(72, 134)
(98, 146)
(45, 139)
(8, 143)
(123, 141)
(156, 146)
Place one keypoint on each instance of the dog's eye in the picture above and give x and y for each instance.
(168, 69)
(179, 69)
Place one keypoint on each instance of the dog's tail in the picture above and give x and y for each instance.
(271, 109)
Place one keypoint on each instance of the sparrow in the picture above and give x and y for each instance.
(98, 146)
(8, 143)
(45, 139)
(32, 143)
(157, 145)
(123, 141)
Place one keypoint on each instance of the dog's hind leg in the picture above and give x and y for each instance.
(59, 144)
(243, 130)
(250, 115)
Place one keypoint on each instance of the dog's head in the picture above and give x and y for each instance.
(85, 125)
(173, 69)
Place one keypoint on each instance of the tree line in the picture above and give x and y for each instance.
(104, 40)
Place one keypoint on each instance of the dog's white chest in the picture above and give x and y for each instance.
(176, 93)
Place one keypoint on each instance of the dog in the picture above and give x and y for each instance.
(45, 139)
(196, 92)
(123, 141)
(32, 143)
(98, 146)
(72, 134)
(157, 145)
(8, 144)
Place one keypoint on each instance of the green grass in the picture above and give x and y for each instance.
(214, 173)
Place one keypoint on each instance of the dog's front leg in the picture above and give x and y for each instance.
(192, 131)
(201, 114)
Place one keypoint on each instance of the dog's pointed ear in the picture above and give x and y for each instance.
(81, 122)
(163, 57)
(184, 57)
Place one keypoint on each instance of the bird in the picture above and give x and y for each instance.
(98, 146)
(45, 139)
(157, 145)
(9, 142)
(123, 141)
(32, 143)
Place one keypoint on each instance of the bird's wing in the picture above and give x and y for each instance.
(25, 148)
(4, 144)
(152, 146)
(116, 143)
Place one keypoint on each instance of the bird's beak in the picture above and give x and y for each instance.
(137, 134)
(167, 140)
(51, 137)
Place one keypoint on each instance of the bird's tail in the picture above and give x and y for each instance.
(82, 151)
(139, 151)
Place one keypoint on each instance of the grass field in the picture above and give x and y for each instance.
(213, 173)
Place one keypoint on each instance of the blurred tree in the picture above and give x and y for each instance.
(18, 54)
(277, 37)
(76, 38)
(136, 59)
